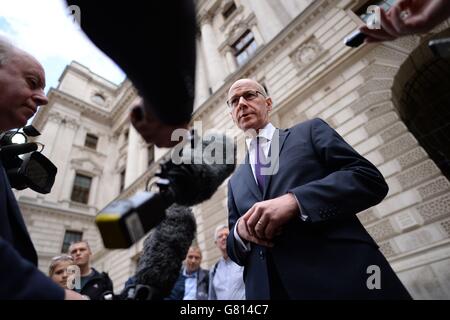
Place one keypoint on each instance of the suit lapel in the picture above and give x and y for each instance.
(275, 159)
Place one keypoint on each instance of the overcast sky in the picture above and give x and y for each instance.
(45, 29)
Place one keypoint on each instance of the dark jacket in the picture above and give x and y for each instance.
(19, 276)
(97, 286)
(177, 292)
(327, 257)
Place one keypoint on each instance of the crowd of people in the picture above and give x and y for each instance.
(224, 281)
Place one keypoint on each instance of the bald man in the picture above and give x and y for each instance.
(22, 83)
(292, 209)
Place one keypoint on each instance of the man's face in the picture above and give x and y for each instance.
(80, 253)
(193, 260)
(22, 83)
(251, 109)
(221, 240)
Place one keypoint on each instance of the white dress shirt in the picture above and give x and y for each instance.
(265, 136)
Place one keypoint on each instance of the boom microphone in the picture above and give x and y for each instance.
(191, 178)
(164, 250)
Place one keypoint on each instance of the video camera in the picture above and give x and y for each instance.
(25, 166)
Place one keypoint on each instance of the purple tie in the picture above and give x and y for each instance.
(260, 164)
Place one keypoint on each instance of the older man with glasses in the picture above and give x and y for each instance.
(292, 209)
(22, 83)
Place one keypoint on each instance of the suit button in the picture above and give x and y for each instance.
(261, 254)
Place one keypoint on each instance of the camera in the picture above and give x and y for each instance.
(24, 165)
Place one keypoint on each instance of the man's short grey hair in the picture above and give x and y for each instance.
(80, 241)
(6, 50)
(218, 228)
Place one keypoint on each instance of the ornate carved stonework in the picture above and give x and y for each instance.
(382, 230)
(411, 157)
(387, 249)
(379, 110)
(374, 126)
(375, 70)
(435, 187)
(375, 85)
(370, 99)
(393, 132)
(86, 164)
(435, 209)
(417, 174)
(307, 53)
(446, 226)
(398, 146)
(366, 216)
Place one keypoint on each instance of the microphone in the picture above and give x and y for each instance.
(190, 178)
(16, 149)
(164, 251)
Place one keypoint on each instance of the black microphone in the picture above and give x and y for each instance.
(17, 149)
(164, 251)
(189, 178)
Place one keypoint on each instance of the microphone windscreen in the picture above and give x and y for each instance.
(166, 248)
(205, 167)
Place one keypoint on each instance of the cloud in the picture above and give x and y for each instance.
(45, 29)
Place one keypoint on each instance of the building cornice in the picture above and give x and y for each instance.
(86, 109)
(30, 206)
(127, 96)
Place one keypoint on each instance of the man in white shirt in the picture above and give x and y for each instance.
(226, 277)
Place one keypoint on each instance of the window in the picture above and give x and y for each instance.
(384, 4)
(122, 180)
(81, 188)
(69, 238)
(98, 98)
(151, 154)
(228, 11)
(91, 141)
(244, 47)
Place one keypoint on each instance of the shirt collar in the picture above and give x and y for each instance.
(266, 133)
(192, 275)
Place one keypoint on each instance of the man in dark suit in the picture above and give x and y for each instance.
(193, 281)
(292, 210)
(22, 83)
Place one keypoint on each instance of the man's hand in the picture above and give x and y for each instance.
(244, 234)
(408, 17)
(152, 129)
(72, 295)
(265, 219)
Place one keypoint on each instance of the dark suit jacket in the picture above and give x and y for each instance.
(327, 256)
(19, 276)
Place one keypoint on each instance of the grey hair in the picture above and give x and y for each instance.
(218, 228)
(6, 50)
(80, 241)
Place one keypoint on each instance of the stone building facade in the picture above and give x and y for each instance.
(381, 98)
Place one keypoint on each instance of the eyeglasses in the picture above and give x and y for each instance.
(250, 95)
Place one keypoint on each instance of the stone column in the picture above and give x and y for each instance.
(268, 21)
(143, 158)
(132, 169)
(214, 61)
(201, 78)
(231, 60)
